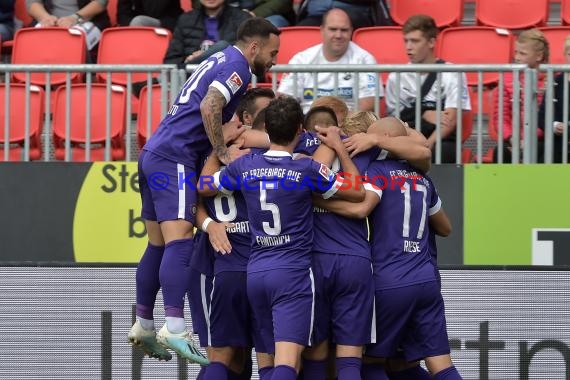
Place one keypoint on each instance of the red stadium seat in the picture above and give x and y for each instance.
(512, 14)
(112, 11)
(48, 46)
(21, 13)
(556, 35)
(98, 118)
(385, 43)
(476, 45)
(295, 39)
(143, 113)
(132, 45)
(186, 5)
(17, 123)
(444, 12)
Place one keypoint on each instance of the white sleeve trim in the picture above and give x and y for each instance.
(370, 187)
(433, 210)
(218, 185)
(220, 87)
(333, 190)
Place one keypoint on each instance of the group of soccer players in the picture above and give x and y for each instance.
(283, 262)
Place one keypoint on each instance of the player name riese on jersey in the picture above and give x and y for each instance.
(411, 246)
(270, 241)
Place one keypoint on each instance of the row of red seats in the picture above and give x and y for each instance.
(461, 45)
(120, 45)
(78, 114)
(510, 14)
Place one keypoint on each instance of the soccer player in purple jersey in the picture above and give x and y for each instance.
(277, 191)
(168, 169)
(408, 294)
(343, 272)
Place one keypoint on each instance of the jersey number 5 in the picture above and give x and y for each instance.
(266, 206)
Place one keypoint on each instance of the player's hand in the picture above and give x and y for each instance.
(48, 21)
(232, 153)
(219, 237)
(358, 143)
(330, 136)
(232, 130)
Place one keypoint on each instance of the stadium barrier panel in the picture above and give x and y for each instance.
(70, 322)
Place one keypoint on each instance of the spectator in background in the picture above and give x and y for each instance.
(163, 13)
(278, 12)
(420, 34)
(339, 50)
(362, 13)
(6, 19)
(210, 27)
(531, 49)
(68, 13)
(559, 124)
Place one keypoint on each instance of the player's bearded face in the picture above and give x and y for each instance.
(260, 66)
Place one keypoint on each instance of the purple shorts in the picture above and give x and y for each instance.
(168, 189)
(282, 301)
(344, 304)
(230, 314)
(199, 293)
(411, 318)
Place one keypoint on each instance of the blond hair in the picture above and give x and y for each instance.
(358, 122)
(538, 41)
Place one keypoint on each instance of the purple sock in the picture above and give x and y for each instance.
(147, 281)
(284, 372)
(314, 369)
(265, 373)
(173, 275)
(348, 368)
(448, 374)
(373, 372)
(201, 373)
(414, 373)
(216, 371)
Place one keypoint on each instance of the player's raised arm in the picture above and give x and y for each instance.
(211, 109)
(410, 147)
(355, 210)
(351, 188)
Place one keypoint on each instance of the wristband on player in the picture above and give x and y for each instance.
(207, 221)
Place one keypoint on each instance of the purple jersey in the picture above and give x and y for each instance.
(278, 191)
(181, 136)
(340, 235)
(231, 208)
(399, 225)
(308, 143)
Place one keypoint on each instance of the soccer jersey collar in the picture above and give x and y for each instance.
(238, 49)
(277, 153)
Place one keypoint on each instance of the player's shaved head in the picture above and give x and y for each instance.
(390, 126)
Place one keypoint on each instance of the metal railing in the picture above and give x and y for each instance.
(170, 79)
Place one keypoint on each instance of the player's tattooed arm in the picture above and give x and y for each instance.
(211, 109)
